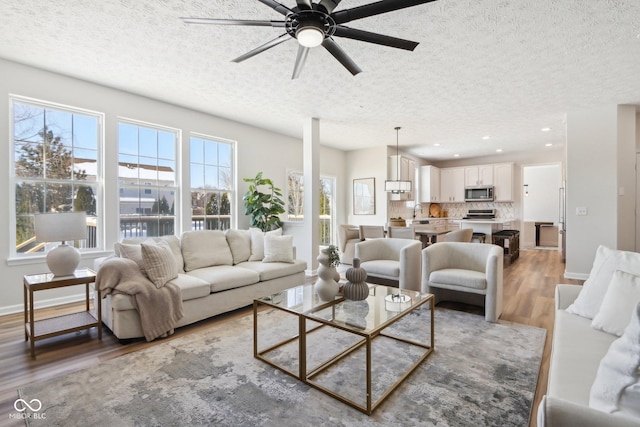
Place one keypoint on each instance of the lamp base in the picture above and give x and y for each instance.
(63, 260)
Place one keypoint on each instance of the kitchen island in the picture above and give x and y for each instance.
(486, 226)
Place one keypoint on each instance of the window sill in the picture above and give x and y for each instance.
(39, 259)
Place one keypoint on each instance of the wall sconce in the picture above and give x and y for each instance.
(526, 190)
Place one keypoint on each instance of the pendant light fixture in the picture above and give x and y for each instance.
(398, 186)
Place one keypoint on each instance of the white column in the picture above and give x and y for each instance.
(311, 162)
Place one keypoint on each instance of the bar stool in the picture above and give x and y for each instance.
(480, 237)
(509, 240)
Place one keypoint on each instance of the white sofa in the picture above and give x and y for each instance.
(576, 354)
(594, 372)
(218, 272)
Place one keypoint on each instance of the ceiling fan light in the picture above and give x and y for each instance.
(310, 36)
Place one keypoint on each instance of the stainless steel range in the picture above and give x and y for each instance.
(480, 214)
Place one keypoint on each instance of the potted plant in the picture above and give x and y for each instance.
(334, 255)
(263, 208)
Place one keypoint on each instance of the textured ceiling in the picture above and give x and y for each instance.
(503, 68)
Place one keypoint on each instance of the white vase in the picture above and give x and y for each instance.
(326, 287)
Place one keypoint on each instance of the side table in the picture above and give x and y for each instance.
(36, 330)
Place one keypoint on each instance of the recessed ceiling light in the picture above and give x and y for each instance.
(545, 129)
(548, 144)
(486, 137)
(499, 150)
(456, 155)
(436, 145)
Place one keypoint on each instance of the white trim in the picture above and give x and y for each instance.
(576, 276)
(51, 302)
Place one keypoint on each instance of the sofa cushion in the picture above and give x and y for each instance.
(278, 249)
(382, 267)
(274, 270)
(606, 262)
(240, 244)
(616, 388)
(205, 248)
(617, 306)
(223, 277)
(460, 277)
(576, 353)
(257, 242)
(159, 263)
(132, 252)
(173, 241)
(190, 288)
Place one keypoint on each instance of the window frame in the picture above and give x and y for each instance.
(14, 256)
(175, 189)
(232, 175)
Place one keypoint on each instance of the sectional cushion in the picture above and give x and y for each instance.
(190, 288)
(278, 249)
(240, 244)
(606, 262)
(223, 277)
(459, 277)
(159, 263)
(205, 248)
(257, 242)
(274, 270)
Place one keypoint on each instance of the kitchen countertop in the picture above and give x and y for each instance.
(488, 221)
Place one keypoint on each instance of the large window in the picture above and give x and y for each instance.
(211, 183)
(55, 168)
(147, 178)
(295, 205)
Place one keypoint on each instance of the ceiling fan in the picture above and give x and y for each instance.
(315, 24)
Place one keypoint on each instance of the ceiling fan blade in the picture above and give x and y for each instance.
(366, 36)
(248, 22)
(300, 60)
(304, 4)
(280, 8)
(341, 56)
(260, 49)
(376, 8)
(328, 5)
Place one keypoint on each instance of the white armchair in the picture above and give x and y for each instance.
(391, 260)
(465, 272)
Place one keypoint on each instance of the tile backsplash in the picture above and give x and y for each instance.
(504, 210)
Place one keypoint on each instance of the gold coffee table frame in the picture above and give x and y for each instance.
(310, 308)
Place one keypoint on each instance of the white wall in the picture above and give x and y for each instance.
(257, 150)
(599, 141)
(367, 163)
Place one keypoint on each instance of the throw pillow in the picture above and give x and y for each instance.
(605, 263)
(174, 245)
(615, 389)
(240, 244)
(257, 242)
(205, 248)
(278, 249)
(617, 306)
(159, 263)
(132, 252)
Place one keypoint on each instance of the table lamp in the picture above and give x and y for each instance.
(68, 226)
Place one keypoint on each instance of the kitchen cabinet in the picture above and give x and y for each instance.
(429, 184)
(503, 182)
(407, 173)
(478, 175)
(452, 185)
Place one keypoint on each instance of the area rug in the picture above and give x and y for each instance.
(479, 374)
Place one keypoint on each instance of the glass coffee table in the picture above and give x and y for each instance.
(363, 321)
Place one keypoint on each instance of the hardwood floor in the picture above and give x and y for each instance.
(529, 285)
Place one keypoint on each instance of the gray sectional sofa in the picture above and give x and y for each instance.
(218, 272)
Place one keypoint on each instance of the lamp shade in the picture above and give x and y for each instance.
(59, 227)
(53, 227)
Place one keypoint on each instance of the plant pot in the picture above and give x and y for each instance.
(398, 223)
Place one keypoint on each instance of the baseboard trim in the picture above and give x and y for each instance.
(51, 302)
(576, 276)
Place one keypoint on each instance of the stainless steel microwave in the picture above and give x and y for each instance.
(478, 194)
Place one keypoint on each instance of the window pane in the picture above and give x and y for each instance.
(127, 139)
(196, 149)
(211, 177)
(28, 160)
(224, 153)
(58, 159)
(166, 172)
(85, 132)
(58, 197)
(28, 122)
(148, 142)
(197, 175)
(166, 145)
(225, 178)
(211, 153)
(148, 172)
(59, 125)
